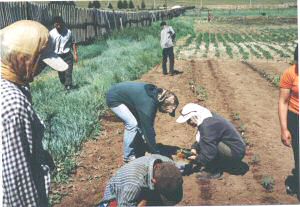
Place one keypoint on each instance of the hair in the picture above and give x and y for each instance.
(58, 19)
(296, 54)
(166, 98)
(163, 23)
(168, 177)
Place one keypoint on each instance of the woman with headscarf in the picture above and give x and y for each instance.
(136, 104)
(288, 110)
(218, 144)
(25, 166)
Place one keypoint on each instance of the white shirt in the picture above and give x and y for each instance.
(61, 43)
(165, 37)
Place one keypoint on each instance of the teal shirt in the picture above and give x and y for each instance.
(141, 100)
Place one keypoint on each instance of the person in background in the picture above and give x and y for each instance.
(146, 181)
(218, 144)
(136, 104)
(167, 39)
(288, 111)
(63, 42)
(25, 164)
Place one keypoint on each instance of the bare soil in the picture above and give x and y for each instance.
(232, 88)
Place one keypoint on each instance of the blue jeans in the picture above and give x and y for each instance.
(131, 128)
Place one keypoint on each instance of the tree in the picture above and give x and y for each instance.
(131, 5)
(120, 4)
(94, 4)
(125, 4)
(69, 3)
(110, 6)
(143, 5)
(97, 4)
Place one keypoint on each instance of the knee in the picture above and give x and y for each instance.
(132, 125)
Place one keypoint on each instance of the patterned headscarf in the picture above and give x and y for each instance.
(21, 45)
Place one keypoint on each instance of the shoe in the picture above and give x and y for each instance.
(165, 73)
(129, 159)
(204, 175)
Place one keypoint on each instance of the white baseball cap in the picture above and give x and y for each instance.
(187, 112)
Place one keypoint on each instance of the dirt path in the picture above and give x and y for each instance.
(234, 91)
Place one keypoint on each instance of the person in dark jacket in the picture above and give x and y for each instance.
(136, 104)
(217, 144)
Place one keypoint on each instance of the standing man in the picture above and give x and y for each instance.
(63, 41)
(167, 39)
(147, 181)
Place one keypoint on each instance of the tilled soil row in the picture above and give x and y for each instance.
(232, 88)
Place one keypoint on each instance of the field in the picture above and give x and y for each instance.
(231, 65)
(197, 3)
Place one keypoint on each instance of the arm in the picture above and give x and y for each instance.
(129, 196)
(284, 96)
(16, 164)
(75, 52)
(207, 147)
(146, 125)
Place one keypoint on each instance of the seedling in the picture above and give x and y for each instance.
(255, 160)
(184, 153)
(268, 183)
(236, 116)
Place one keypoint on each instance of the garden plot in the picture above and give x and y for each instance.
(233, 90)
(241, 42)
(239, 84)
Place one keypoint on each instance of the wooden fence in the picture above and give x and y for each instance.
(86, 24)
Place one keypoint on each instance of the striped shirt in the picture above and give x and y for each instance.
(25, 177)
(131, 180)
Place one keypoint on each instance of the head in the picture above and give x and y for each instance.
(23, 56)
(58, 23)
(168, 182)
(168, 101)
(162, 24)
(193, 114)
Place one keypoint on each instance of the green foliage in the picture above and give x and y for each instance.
(110, 6)
(131, 5)
(94, 4)
(206, 40)
(281, 12)
(125, 4)
(198, 40)
(143, 5)
(120, 4)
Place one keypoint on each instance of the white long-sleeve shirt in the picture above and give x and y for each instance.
(165, 37)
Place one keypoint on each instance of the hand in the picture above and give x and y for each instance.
(76, 58)
(142, 203)
(193, 151)
(286, 138)
(193, 157)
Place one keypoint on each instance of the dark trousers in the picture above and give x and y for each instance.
(66, 76)
(168, 52)
(293, 126)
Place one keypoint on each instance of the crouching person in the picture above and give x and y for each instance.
(148, 180)
(136, 105)
(218, 144)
